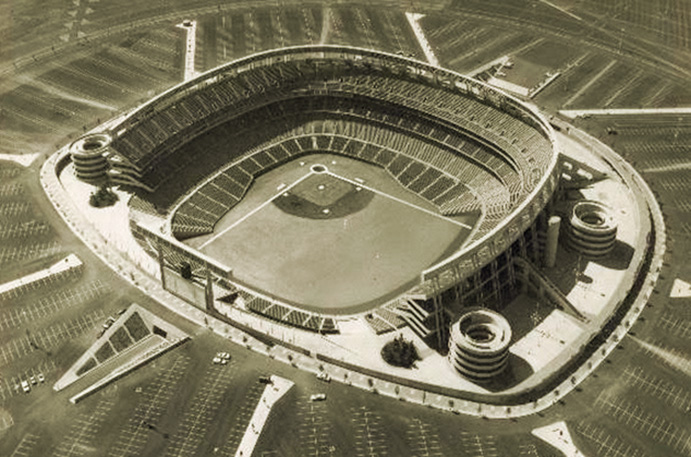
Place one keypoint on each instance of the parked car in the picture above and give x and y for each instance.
(317, 397)
(110, 321)
(322, 376)
(26, 387)
(41, 378)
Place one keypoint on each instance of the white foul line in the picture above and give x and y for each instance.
(432, 213)
(236, 223)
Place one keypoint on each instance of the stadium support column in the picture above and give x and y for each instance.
(552, 241)
(161, 265)
(436, 300)
(209, 290)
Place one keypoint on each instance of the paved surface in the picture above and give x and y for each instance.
(123, 266)
(272, 393)
(68, 263)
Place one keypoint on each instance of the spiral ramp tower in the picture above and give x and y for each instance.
(479, 344)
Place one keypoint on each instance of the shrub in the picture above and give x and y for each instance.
(400, 353)
(186, 270)
(103, 197)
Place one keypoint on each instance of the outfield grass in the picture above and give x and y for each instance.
(369, 247)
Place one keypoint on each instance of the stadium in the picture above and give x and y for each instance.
(308, 183)
(438, 222)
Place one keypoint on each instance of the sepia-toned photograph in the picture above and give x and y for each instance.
(320, 228)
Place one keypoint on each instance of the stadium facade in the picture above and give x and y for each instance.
(454, 141)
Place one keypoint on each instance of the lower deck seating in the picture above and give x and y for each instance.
(290, 316)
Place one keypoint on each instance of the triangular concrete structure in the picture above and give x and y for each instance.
(135, 337)
(680, 289)
(557, 434)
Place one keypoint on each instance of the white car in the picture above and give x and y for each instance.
(322, 376)
(26, 387)
(41, 378)
(223, 355)
(33, 380)
(216, 360)
(317, 397)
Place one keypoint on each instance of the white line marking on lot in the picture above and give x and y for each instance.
(57, 91)
(592, 81)
(578, 18)
(246, 216)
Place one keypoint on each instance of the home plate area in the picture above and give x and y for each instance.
(323, 196)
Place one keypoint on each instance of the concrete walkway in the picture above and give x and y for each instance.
(557, 434)
(272, 393)
(68, 263)
(571, 114)
(22, 159)
(414, 21)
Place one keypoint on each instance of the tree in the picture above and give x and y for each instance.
(400, 353)
(103, 197)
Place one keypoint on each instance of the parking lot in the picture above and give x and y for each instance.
(315, 429)
(83, 430)
(153, 403)
(25, 446)
(51, 304)
(668, 393)
(49, 337)
(423, 440)
(606, 444)
(675, 326)
(651, 425)
(15, 253)
(476, 445)
(370, 437)
(14, 210)
(11, 385)
(204, 405)
(242, 419)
